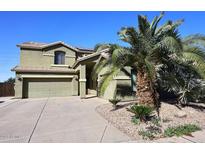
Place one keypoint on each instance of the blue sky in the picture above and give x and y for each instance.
(83, 29)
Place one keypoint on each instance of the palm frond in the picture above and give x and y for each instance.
(143, 24)
(196, 57)
(171, 45)
(155, 22)
(107, 78)
(129, 35)
(197, 39)
(177, 23)
(122, 56)
(169, 29)
(100, 64)
(100, 47)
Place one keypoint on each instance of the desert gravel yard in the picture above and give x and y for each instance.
(170, 114)
(67, 119)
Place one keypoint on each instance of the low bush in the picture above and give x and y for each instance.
(156, 122)
(146, 134)
(186, 129)
(114, 102)
(141, 112)
(135, 120)
(153, 130)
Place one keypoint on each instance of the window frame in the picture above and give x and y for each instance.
(59, 58)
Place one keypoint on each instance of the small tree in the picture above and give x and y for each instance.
(10, 80)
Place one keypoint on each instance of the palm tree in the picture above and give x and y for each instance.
(148, 48)
(185, 74)
(194, 52)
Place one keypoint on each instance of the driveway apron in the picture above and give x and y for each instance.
(66, 119)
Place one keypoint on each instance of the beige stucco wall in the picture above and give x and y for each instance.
(75, 86)
(122, 81)
(18, 86)
(38, 58)
(81, 69)
(82, 81)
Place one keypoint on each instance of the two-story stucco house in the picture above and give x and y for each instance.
(58, 69)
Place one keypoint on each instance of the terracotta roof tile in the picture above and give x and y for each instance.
(39, 45)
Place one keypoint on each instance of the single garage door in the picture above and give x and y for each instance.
(47, 87)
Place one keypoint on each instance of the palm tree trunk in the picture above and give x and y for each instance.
(145, 91)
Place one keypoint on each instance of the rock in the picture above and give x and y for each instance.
(181, 114)
(192, 112)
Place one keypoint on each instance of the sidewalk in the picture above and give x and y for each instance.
(4, 99)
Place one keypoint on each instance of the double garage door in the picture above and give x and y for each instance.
(47, 87)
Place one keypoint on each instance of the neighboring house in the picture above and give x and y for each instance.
(58, 70)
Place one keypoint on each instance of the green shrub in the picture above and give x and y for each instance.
(114, 102)
(153, 130)
(156, 122)
(146, 134)
(135, 120)
(141, 112)
(186, 129)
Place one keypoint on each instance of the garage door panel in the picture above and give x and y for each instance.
(48, 87)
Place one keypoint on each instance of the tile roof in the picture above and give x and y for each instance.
(85, 50)
(39, 45)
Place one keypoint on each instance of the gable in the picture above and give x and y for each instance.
(91, 58)
(45, 58)
(43, 54)
(68, 51)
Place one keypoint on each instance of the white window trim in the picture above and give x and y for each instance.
(122, 78)
(59, 65)
(52, 55)
(82, 80)
(47, 76)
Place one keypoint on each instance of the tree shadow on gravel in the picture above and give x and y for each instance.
(124, 105)
(198, 107)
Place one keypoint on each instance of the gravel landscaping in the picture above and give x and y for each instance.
(171, 115)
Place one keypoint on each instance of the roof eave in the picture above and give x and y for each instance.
(88, 57)
(47, 46)
(16, 69)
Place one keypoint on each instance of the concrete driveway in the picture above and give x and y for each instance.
(55, 120)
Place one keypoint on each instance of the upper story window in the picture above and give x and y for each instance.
(59, 57)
